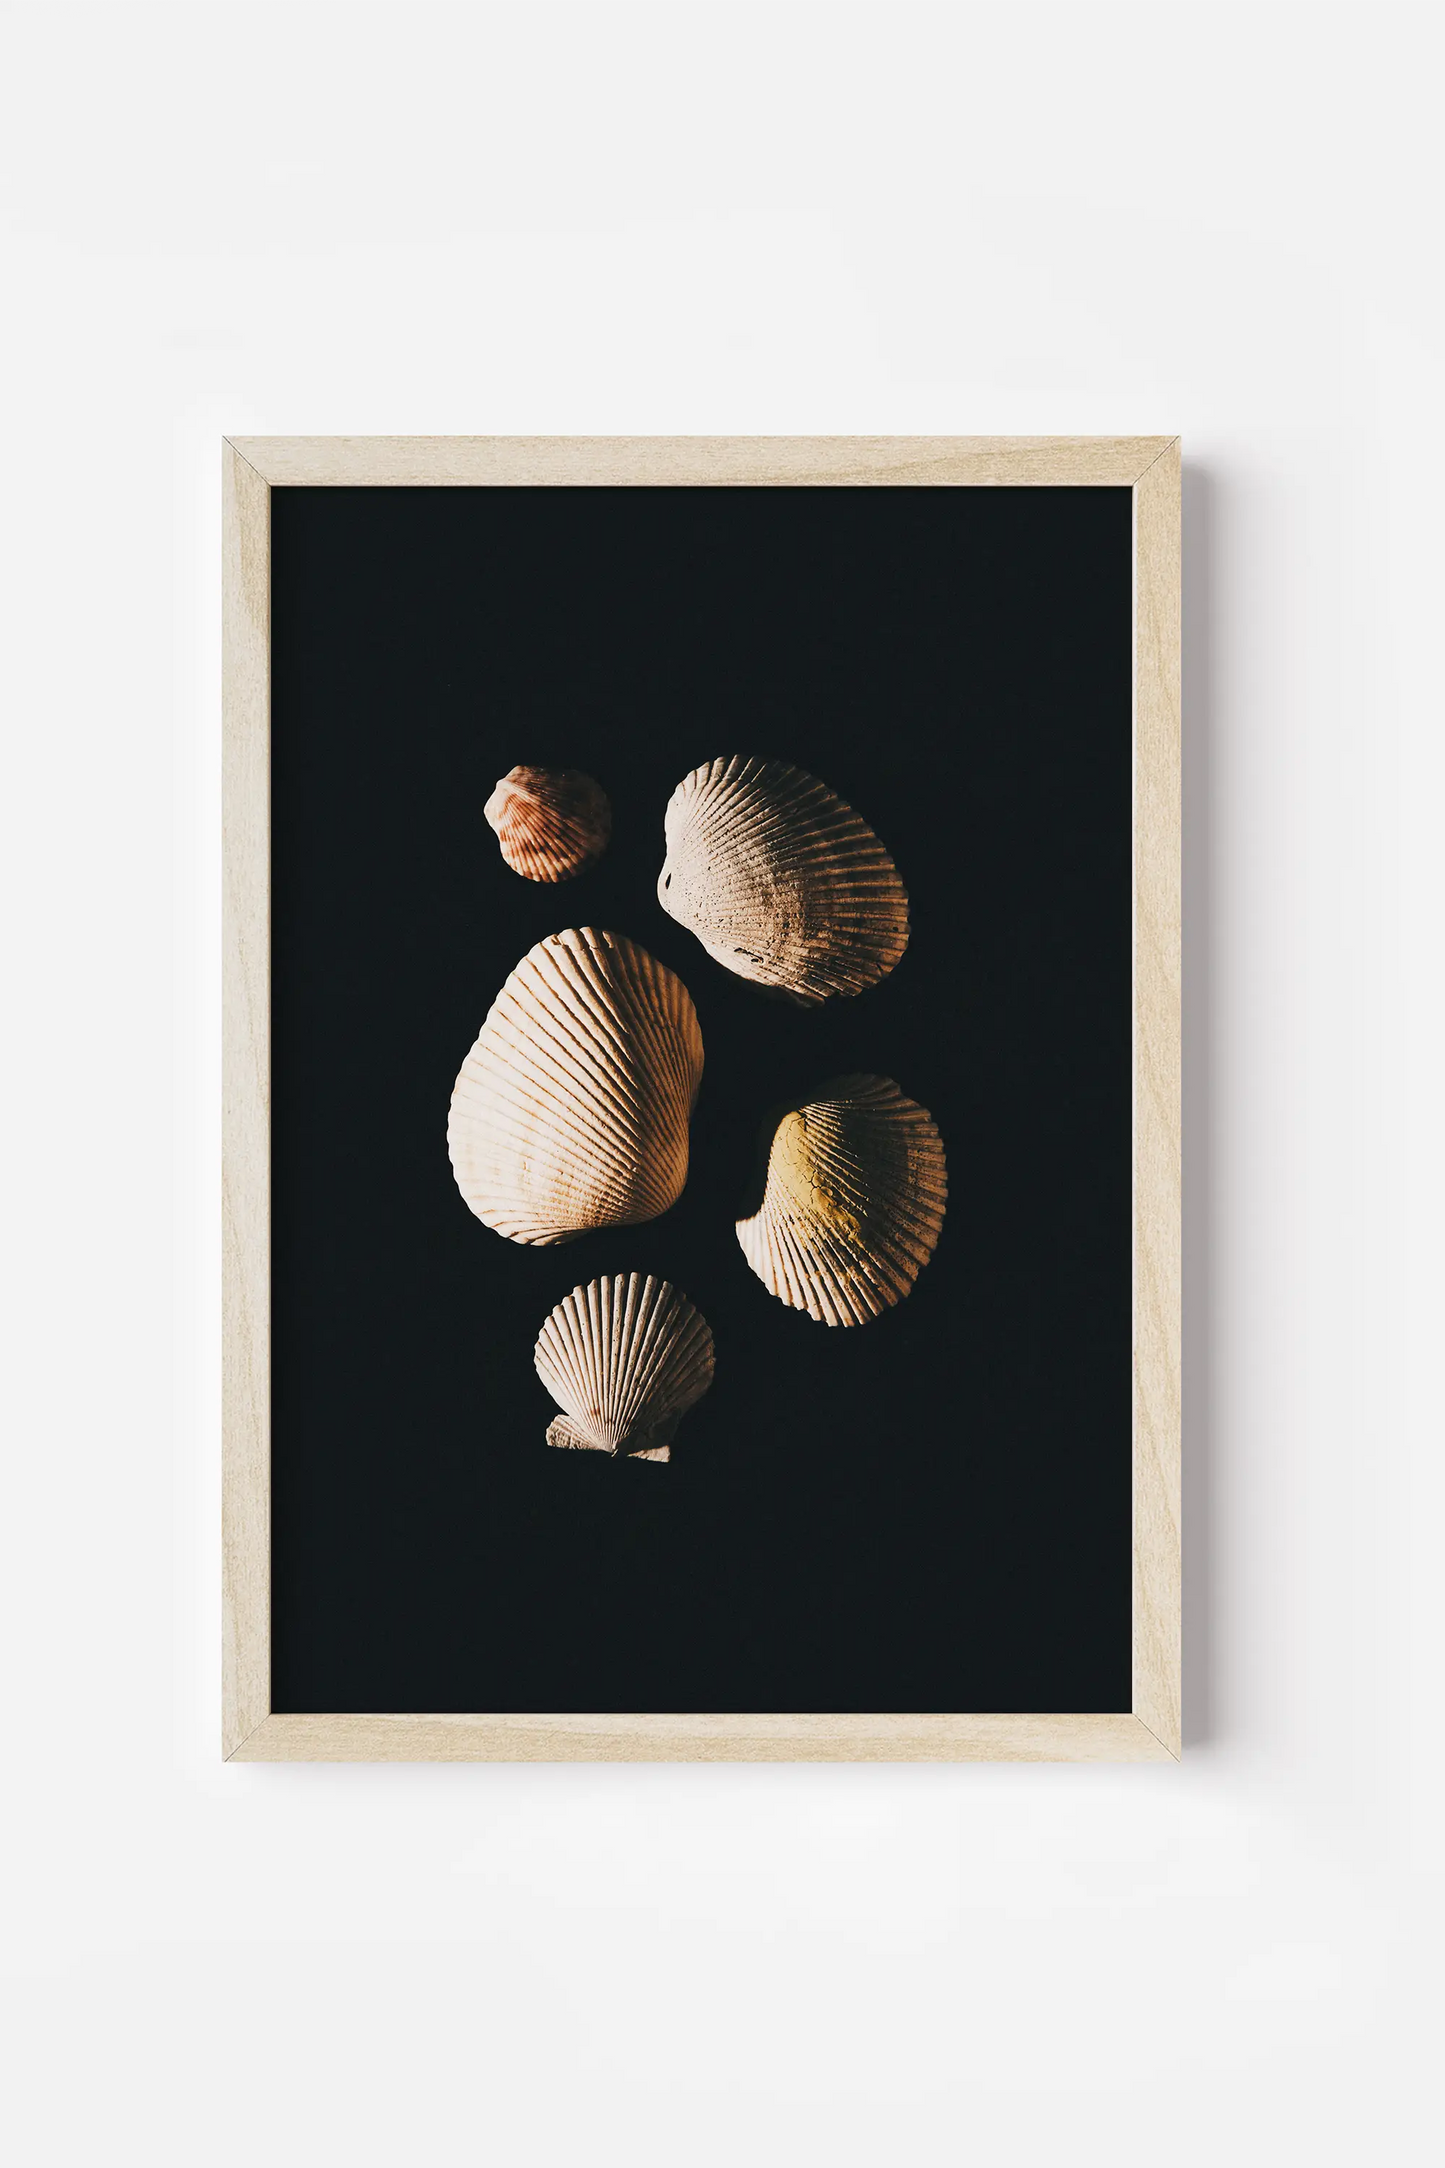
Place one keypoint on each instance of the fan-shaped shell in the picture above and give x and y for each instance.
(853, 1204)
(571, 1110)
(624, 1358)
(550, 822)
(781, 881)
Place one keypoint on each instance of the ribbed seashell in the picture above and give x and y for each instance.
(853, 1204)
(571, 1110)
(781, 881)
(550, 822)
(624, 1359)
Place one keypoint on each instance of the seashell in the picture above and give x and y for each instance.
(571, 1110)
(853, 1204)
(550, 822)
(624, 1359)
(781, 881)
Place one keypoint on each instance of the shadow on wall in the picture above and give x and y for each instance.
(1201, 842)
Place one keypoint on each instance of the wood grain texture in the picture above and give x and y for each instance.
(246, 1098)
(1157, 1134)
(739, 462)
(703, 1738)
(1151, 467)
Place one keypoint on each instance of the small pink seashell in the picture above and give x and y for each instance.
(550, 822)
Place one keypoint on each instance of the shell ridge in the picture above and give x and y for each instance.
(565, 1374)
(571, 1326)
(648, 1351)
(510, 1108)
(584, 983)
(594, 1298)
(843, 1265)
(677, 1050)
(595, 977)
(656, 1359)
(629, 1019)
(564, 1371)
(596, 1359)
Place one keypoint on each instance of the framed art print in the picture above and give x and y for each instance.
(701, 1098)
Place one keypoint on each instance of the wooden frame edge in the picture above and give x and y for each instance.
(246, 1099)
(444, 1738)
(737, 462)
(1150, 467)
(1157, 1233)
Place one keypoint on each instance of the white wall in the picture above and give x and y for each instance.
(1044, 217)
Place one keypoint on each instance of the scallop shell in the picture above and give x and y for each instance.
(781, 881)
(571, 1110)
(624, 1359)
(853, 1204)
(550, 822)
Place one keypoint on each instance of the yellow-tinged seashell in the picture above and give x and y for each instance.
(781, 881)
(624, 1358)
(550, 822)
(571, 1110)
(853, 1204)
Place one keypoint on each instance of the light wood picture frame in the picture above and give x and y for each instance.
(1150, 468)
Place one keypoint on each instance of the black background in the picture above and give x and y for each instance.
(930, 1512)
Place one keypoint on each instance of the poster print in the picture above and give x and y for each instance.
(817, 1014)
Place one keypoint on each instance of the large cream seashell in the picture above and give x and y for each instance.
(853, 1204)
(625, 1359)
(571, 1110)
(781, 881)
(550, 822)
